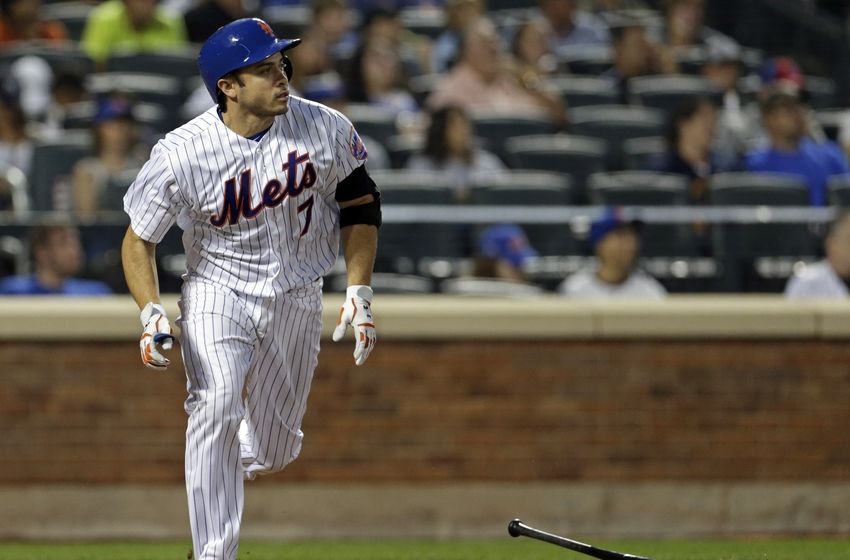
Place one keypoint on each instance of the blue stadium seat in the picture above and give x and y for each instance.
(666, 92)
(615, 124)
(52, 164)
(580, 91)
(497, 127)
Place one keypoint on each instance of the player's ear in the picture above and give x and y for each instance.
(227, 85)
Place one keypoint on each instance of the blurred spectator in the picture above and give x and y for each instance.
(57, 257)
(16, 146)
(683, 23)
(484, 78)
(571, 27)
(603, 6)
(723, 69)
(690, 134)
(503, 250)
(376, 77)
(459, 13)
(331, 28)
(829, 278)
(117, 150)
(130, 26)
(327, 89)
(791, 151)
(413, 49)
(450, 150)
(20, 20)
(531, 49)
(616, 245)
(634, 55)
(205, 18)
(66, 90)
(33, 76)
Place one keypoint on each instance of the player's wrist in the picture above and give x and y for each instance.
(149, 311)
(360, 291)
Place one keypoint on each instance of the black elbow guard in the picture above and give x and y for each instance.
(368, 214)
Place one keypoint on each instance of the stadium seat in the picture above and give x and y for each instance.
(165, 92)
(638, 188)
(65, 59)
(531, 188)
(616, 124)
(575, 156)
(642, 153)
(401, 147)
(839, 191)
(52, 164)
(182, 64)
(155, 117)
(403, 244)
(422, 86)
(497, 127)
(832, 121)
(424, 21)
(749, 189)
(489, 287)
(112, 197)
(741, 245)
(667, 92)
(590, 60)
(580, 91)
(647, 188)
(372, 121)
(73, 16)
(496, 5)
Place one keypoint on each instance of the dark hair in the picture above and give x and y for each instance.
(436, 146)
(686, 110)
(355, 82)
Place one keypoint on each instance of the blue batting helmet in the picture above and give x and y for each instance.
(239, 43)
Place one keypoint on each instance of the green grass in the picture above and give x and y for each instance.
(504, 549)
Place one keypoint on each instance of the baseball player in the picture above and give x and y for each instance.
(262, 185)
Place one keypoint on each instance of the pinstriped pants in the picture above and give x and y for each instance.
(249, 363)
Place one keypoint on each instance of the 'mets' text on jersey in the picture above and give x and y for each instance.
(256, 215)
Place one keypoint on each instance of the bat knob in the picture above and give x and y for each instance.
(513, 528)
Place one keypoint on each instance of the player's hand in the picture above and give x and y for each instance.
(157, 334)
(357, 312)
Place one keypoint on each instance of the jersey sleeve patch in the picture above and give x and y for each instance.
(356, 145)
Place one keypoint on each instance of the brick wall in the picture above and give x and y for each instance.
(439, 411)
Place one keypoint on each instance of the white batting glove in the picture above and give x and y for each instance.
(357, 312)
(157, 333)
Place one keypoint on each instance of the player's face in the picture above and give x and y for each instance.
(264, 89)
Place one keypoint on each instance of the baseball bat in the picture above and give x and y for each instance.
(517, 528)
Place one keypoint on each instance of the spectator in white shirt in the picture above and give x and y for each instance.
(615, 275)
(830, 277)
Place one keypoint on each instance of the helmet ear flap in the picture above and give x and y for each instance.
(287, 67)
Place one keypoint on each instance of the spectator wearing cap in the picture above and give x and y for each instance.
(791, 151)
(20, 20)
(446, 47)
(450, 151)
(131, 26)
(615, 274)
(117, 152)
(830, 277)
(58, 258)
(484, 79)
(723, 67)
(503, 251)
(572, 27)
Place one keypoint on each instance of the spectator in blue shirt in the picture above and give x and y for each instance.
(58, 257)
(572, 27)
(791, 151)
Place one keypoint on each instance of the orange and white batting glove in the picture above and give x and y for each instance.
(357, 312)
(157, 333)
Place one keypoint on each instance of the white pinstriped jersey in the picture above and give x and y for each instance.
(257, 216)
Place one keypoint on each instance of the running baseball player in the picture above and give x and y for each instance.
(262, 185)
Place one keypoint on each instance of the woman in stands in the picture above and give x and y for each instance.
(450, 151)
(690, 134)
(117, 154)
(376, 78)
